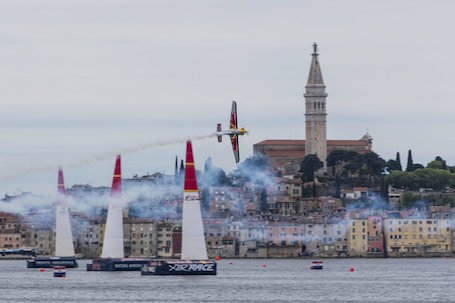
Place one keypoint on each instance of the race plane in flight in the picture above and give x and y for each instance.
(233, 132)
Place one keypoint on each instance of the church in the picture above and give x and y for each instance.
(286, 155)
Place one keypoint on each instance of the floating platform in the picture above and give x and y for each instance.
(117, 264)
(50, 262)
(180, 267)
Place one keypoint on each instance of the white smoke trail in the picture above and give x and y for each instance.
(8, 174)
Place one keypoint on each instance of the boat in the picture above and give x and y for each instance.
(59, 271)
(50, 262)
(180, 267)
(64, 247)
(316, 265)
(19, 251)
(117, 264)
(112, 256)
(194, 259)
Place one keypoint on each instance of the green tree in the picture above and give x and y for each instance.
(372, 166)
(399, 179)
(339, 157)
(309, 166)
(393, 165)
(409, 199)
(437, 163)
(436, 179)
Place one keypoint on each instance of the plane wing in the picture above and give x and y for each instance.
(233, 121)
(235, 147)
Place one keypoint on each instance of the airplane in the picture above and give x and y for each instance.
(233, 132)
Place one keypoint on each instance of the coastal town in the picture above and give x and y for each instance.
(237, 227)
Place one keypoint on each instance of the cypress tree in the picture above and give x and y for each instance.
(176, 170)
(264, 200)
(182, 170)
(398, 160)
(410, 165)
(205, 201)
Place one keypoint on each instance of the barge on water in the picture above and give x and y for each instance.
(179, 267)
(117, 264)
(50, 262)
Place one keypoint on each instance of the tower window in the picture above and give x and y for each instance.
(314, 105)
(323, 105)
(319, 105)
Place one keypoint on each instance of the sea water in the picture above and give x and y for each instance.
(290, 280)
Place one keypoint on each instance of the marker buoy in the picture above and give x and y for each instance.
(41, 269)
(264, 265)
(351, 269)
(230, 263)
(217, 258)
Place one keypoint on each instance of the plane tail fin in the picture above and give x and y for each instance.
(218, 130)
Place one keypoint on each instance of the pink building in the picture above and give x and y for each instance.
(282, 234)
(375, 235)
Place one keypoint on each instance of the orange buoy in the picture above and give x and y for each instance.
(41, 269)
(217, 258)
(351, 269)
(230, 263)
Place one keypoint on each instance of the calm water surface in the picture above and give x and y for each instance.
(374, 280)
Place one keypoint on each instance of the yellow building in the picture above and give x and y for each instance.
(357, 237)
(417, 237)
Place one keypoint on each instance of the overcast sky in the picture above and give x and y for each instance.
(89, 78)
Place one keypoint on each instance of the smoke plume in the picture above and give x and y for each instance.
(7, 174)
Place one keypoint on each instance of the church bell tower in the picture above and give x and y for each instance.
(315, 111)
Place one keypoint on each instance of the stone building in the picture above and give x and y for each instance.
(325, 239)
(88, 242)
(164, 239)
(43, 240)
(144, 237)
(286, 155)
(214, 231)
(10, 240)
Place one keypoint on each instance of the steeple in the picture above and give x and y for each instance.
(315, 76)
(315, 111)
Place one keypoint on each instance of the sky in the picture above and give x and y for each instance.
(81, 81)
